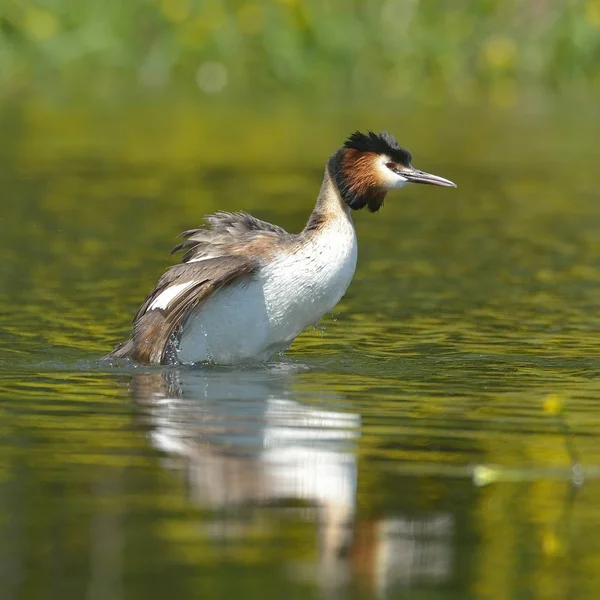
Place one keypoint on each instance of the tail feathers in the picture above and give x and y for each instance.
(123, 350)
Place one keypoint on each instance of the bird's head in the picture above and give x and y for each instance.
(368, 165)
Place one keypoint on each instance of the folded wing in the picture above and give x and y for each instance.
(182, 288)
(233, 246)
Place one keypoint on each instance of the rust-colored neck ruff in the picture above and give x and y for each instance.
(355, 175)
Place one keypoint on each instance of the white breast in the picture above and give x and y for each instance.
(260, 316)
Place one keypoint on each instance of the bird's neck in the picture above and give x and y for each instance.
(330, 207)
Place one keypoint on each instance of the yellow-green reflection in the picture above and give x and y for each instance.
(467, 341)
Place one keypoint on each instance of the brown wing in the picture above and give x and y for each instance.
(229, 233)
(155, 325)
(230, 247)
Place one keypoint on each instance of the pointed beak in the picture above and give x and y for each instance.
(416, 176)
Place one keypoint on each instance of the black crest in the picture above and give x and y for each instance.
(384, 143)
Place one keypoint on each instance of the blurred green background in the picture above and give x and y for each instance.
(389, 49)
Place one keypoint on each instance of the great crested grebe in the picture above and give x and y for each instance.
(245, 288)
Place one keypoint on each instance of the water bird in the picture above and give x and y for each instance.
(245, 289)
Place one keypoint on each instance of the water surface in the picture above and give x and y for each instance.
(419, 442)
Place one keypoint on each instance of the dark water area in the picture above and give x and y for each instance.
(437, 436)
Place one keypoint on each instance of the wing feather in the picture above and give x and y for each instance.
(231, 246)
(226, 233)
(155, 329)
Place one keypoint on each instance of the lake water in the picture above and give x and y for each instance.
(436, 437)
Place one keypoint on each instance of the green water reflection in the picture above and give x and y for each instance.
(346, 468)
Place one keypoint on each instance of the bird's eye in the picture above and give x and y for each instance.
(391, 166)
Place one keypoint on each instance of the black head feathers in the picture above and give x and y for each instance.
(384, 143)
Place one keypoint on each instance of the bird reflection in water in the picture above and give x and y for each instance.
(246, 438)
